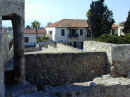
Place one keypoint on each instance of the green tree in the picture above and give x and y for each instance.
(100, 18)
(28, 27)
(43, 38)
(36, 26)
(127, 24)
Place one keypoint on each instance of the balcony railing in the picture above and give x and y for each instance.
(73, 35)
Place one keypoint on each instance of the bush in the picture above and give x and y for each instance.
(114, 39)
(43, 38)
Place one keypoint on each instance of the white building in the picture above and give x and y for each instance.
(120, 29)
(70, 31)
(30, 35)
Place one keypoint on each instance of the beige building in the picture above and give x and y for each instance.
(70, 31)
(74, 31)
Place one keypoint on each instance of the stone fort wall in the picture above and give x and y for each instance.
(61, 68)
(12, 7)
(3, 60)
(118, 55)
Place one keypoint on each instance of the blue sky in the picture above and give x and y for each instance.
(53, 10)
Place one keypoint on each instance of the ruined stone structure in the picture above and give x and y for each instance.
(118, 55)
(13, 10)
(61, 68)
(106, 86)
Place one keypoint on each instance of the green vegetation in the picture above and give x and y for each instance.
(36, 26)
(100, 18)
(43, 39)
(127, 24)
(114, 39)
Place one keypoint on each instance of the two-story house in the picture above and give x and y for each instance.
(69, 31)
(75, 31)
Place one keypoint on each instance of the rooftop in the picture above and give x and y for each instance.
(74, 23)
(33, 31)
(70, 23)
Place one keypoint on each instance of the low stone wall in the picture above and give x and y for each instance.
(56, 48)
(96, 91)
(121, 60)
(100, 87)
(118, 55)
(61, 48)
(62, 68)
(92, 46)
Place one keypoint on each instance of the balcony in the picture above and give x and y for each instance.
(73, 35)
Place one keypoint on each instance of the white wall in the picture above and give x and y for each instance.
(48, 29)
(56, 34)
(59, 37)
(120, 32)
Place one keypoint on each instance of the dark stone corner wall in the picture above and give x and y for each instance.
(59, 69)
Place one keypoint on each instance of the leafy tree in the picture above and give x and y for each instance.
(127, 24)
(36, 26)
(43, 38)
(114, 39)
(100, 18)
(28, 27)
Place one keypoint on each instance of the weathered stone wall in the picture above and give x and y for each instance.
(92, 46)
(57, 48)
(97, 91)
(8, 7)
(118, 55)
(57, 69)
(61, 48)
(3, 57)
(100, 87)
(121, 59)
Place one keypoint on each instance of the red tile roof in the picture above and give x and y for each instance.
(115, 26)
(70, 23)
(74, 23)
(33, 31)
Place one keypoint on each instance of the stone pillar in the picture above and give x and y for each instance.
(2, 88)
(18, 28)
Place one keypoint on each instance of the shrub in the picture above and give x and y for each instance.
(43, 38)
(114, 39)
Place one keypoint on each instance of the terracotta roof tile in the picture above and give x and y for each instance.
(115, 26)
(33, 31)
(70, 23)
(74, 23)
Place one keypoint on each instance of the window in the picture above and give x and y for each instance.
(81, 32)
(75, 44)
(62, 32)
(26, 39)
